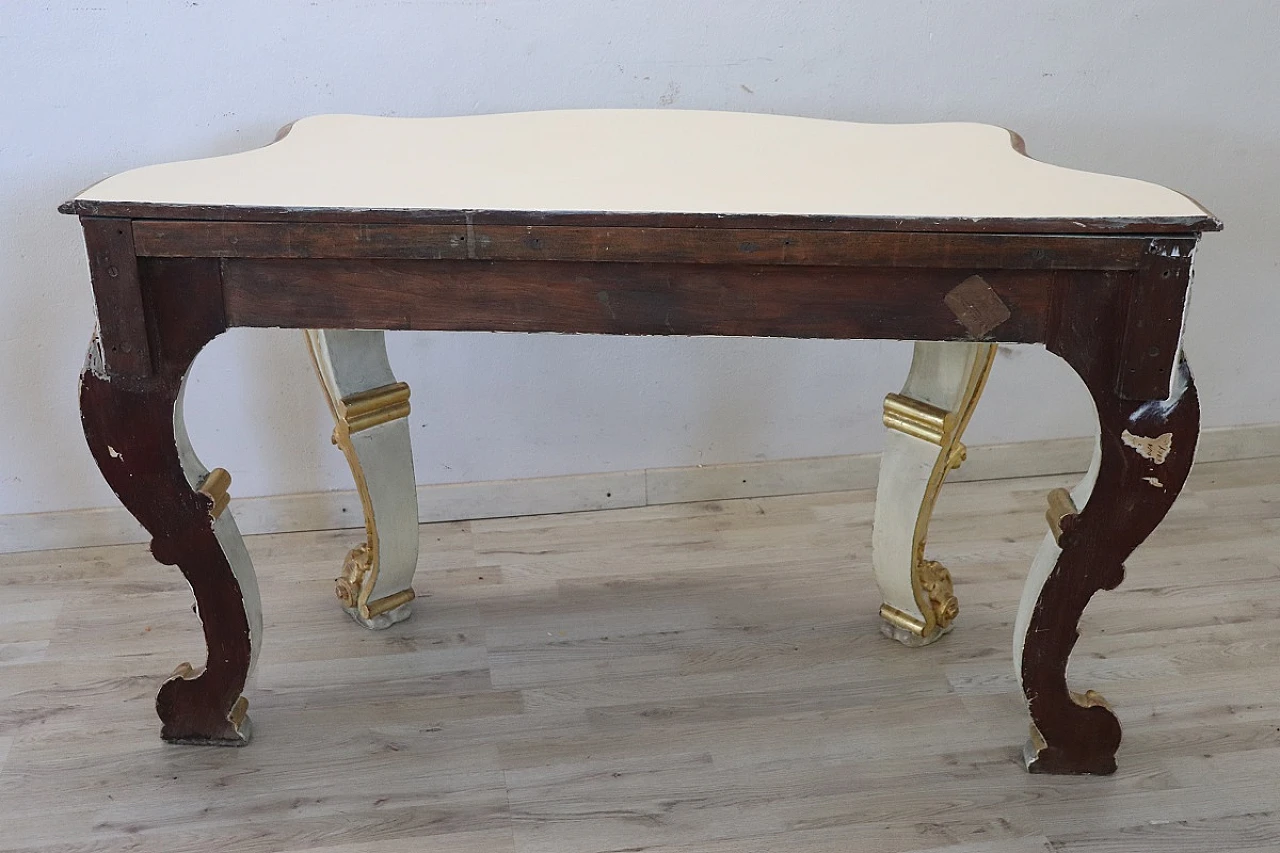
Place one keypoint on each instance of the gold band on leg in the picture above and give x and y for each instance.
(214, 487)
(917, 419)
(1061, 507)
(368, 409)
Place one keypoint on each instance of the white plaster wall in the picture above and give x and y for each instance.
(1178, 92)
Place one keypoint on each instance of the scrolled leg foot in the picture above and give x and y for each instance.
(191, 708)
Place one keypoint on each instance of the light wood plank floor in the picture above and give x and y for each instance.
(705, 677)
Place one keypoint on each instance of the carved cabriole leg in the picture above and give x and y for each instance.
(136, 434)
(926, 422)
(1143, 455)
(154, 317)
(370, 412)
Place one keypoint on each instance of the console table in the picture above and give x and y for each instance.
(646, 222)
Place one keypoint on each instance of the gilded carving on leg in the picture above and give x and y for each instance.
(935, 579)
(923, 447)
(361, 420)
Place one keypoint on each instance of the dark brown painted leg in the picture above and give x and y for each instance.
(1143, 458)
(133, 424)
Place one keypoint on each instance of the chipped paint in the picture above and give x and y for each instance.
(1156, 449)
(95, 360)
(1154, 481)
(113, 453)
(1173, 248)
(1178, 383)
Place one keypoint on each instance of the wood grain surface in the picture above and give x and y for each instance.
(212, 239)
(622, 299)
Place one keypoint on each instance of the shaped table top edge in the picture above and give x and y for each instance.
(939, 177)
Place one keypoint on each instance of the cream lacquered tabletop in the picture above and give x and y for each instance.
(648, 161)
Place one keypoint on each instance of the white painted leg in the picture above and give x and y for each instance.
(926, 422)
(370, 412)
